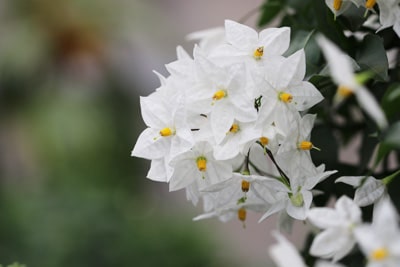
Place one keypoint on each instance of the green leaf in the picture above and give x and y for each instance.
(391, 100)
(305, 40)
(269, 11)
(372, 57)
(299, 40)
(392, 136)
(391, 140)
(353, 18)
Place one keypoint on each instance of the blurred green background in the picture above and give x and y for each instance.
(71, 73)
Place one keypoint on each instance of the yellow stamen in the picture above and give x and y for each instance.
(242, 214)
(258, 53)
(166, 131)
(285, 97)
(201, 164)
(379, 254)
(264, 140)
(234, 128)
(370, 4)
(337, 4)
(305, 145)
(344, 91)
(219, 94)
(245, 186)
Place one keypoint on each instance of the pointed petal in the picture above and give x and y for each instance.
(369, 104)
(239, 35)
(157, 171)
(275, 40)
(305, 95)
(340, 65)
(324, 218)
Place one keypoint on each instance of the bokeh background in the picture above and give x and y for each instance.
(71, 73)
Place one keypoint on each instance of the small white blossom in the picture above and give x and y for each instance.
(380, 241)
(342, 73)
(337, 239)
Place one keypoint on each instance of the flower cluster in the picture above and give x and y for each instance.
(343, 229)
(230, 125)
(389, 10)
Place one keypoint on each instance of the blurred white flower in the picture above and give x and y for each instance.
(337, 239)
(284, 253)
(380, 241)
(342, 73)
(389, 13)
(339, 6)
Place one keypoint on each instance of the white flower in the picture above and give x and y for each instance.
(337, 239)
(294, 152)
(246, 42)
(389, 13)
(284, 91)
(198, 166)
(296, 198)
(380, 241)
(233, 197)
(340, 6)
(220, 93)
(369, 190)
(342, 73)
(236, 140)
(167, 134)
(284, 253)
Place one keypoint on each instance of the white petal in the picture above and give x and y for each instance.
(276, 207)
(239, 35)
(324, 218)
(354, 181)
(292, 69)
(285, 254)
(221, 119)
(385, 217)
(157, 171)
(369, 104)
(153, 111)
(348, 209)
(305, 95)
(340, 65)
(275, 40)
(184, 174)
(325, 244)
(150, 145)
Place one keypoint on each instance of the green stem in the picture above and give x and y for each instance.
(388, 179)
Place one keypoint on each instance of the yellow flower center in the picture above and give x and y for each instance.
(219, 94)
(258, 53)
(379, 254)
(344, 91)
(201, 164)
(234, 128)
(370, 3)
(242, 214)
(337, 4)
(264, 140)
(245, 186)
(297, 200)
(166, 131)
(285, 97)
(305, 145)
